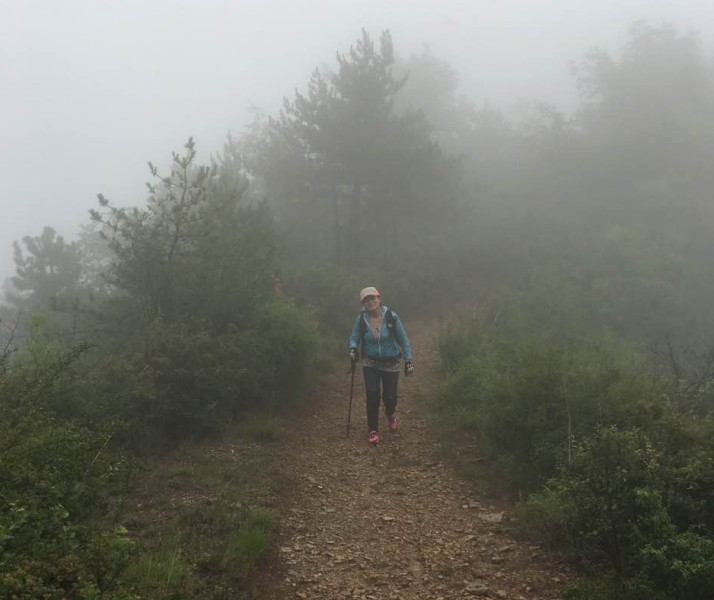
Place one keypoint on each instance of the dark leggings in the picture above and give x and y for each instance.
(372, 379)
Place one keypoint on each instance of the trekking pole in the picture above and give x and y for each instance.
(352, 387)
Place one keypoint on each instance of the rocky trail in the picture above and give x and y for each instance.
(394, 521)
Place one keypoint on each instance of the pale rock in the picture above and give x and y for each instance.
(477, 588)
(491, 517)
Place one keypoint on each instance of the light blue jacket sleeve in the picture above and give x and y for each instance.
(402, 339)
(354, 338)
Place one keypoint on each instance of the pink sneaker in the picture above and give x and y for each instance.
(393, 423)
(373, 438)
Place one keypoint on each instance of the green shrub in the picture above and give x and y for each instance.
(172, 383)
(177, 382)
(329, 292)
(249, 539)
(614, 484)
(459, 339)
(688, 470)
(288, 342)
(58, 481)
(57, 484)
(612, 586)
(528, 398)
(610, 501)
(682, 567)
(544, 515)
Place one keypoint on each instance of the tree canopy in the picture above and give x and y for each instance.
(340, 162)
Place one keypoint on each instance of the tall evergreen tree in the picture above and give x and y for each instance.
(350, 178)
(654, 103)
(47, 270)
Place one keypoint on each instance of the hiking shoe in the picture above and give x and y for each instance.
(373, 438)
(393, 423)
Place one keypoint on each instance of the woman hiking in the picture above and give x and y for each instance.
(381, 335)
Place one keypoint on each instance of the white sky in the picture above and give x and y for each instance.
(90, 90)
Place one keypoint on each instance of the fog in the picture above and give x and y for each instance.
(93, 90)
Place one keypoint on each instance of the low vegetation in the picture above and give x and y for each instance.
(135, 363)
(610, 456)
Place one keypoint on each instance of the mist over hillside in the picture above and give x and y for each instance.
(93, 95)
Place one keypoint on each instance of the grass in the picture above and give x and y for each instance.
(159, 572)
(259, 428)
(178, 476)
(202, 518)
(249, 540)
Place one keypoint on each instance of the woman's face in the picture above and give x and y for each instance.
(371, 302)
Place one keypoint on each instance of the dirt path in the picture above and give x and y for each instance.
(394, 522)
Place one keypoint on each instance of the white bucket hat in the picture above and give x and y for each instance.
(368, 291)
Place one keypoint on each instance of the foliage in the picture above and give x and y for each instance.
(49, 271)
(351, 181)
(194, 234)
(96, 259)
(617, 464)
(249, 538)
(617, 515)
(192, 362)
(259, 428)
(330, 291)
(683, 567)
(175, 382)
(58, 482)
(663, 128)
(160, 573)
(157, 363)
(47, 280)
(231, 536)
(527, 398)
(613, 484)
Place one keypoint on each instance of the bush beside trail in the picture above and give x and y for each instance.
(612, 461)
(143, 364)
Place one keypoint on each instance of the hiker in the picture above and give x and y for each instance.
(379, 332)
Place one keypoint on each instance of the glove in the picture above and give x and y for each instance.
(353, 354)
(408, 368)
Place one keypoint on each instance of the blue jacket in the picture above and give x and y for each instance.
(389, 344)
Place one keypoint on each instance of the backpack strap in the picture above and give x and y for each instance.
(391, 320)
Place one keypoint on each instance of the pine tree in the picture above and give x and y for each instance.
(350, 178)
(47, 270)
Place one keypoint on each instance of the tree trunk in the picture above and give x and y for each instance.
(353, 225)
(337, 228)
